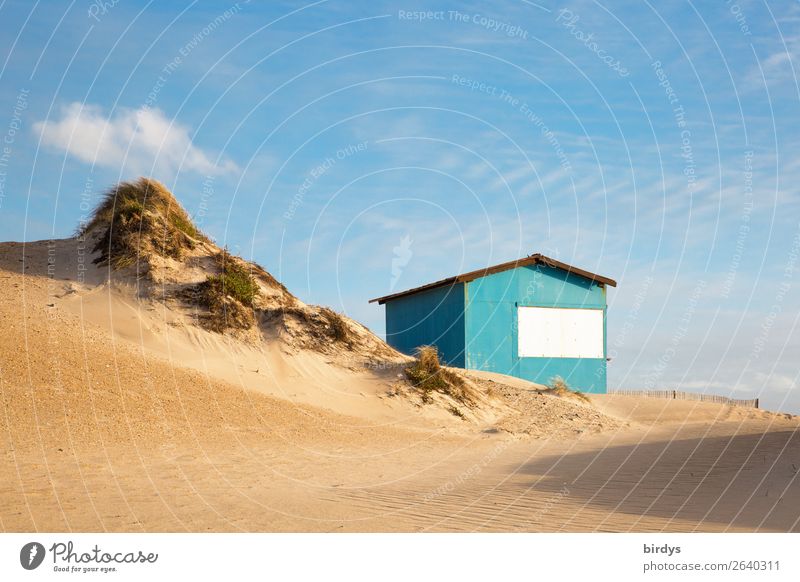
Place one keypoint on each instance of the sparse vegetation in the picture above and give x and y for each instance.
(337, 328)
(141, 223)
(427, 375)
(234, 280)
(559, 387)
(228, 296)
(262, 275)
(316, 328)
(140, 219)
(456, 412)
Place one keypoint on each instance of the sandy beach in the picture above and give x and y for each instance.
(118, 417)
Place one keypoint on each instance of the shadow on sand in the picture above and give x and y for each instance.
(746, 481)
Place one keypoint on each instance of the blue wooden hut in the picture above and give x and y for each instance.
(534, 318)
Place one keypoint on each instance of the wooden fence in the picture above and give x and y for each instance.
(679, 395)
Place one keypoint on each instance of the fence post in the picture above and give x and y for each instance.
(756, 402)
(674, 394)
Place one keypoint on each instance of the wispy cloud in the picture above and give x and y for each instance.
(140, 140)
(776, 68)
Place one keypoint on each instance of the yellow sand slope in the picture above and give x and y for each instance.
(120, 412)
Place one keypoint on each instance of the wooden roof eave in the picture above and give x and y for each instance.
(477, 274)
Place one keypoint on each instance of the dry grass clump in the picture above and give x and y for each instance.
(234, 279)
(261, 274)
(559, 387)
(456, 412)
(228, 296)
(140, 219)
(427, 375)
(316, 328)
(337, 328)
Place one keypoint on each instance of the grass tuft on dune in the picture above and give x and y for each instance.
(138, 220)
(428, 376)
(559, 387)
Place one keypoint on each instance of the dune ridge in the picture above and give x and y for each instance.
(151, 381)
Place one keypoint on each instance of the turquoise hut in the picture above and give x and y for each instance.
(534, 318)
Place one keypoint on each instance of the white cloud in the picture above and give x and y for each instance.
(779, 383)
(141, 140)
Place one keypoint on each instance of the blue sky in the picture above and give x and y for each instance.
(356, 149)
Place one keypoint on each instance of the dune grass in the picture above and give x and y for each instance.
(234, 280)
(228, 296)
(428, 376)
(559, 387)
(139, 219)
(338, 329)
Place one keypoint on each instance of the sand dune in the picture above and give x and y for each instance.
(121, 413)
(100, 433)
